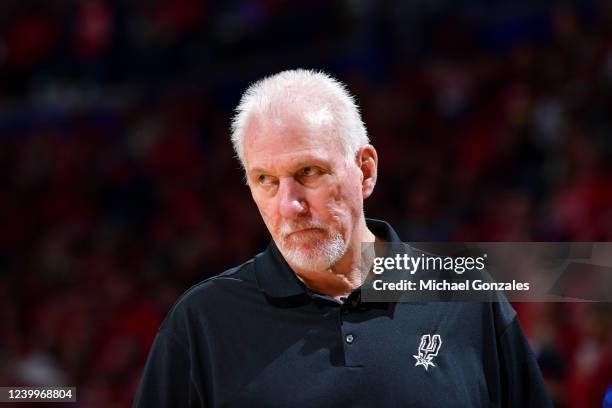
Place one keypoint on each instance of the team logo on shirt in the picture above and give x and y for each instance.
(428, 349)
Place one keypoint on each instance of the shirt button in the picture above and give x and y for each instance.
(349, 338)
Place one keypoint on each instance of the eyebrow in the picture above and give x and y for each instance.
(299, 165)
(256, 170)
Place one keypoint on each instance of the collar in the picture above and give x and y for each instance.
(276, 278)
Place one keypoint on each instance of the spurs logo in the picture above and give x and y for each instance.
(428, 349)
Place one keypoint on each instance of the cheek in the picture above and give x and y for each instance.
(342, 203)
(351, 204)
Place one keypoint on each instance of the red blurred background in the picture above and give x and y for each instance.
(493, 123)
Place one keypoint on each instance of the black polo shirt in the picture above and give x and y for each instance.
(256, 336)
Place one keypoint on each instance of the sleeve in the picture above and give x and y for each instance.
(522, 382)
(166, 380)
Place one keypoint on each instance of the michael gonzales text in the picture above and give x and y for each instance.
(444, 285)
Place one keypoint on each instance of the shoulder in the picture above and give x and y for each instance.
(212, 297)
(237, 278)
(504, 315)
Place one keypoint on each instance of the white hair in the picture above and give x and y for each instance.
(301, 88)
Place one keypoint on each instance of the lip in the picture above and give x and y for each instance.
(313, 229)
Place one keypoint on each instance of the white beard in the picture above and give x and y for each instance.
(322, 255)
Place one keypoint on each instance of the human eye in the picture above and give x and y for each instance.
(264, 180)
(309, 171)
(309, 175)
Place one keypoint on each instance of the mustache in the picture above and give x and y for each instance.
(293, 226)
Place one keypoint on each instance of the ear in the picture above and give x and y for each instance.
(367, 161)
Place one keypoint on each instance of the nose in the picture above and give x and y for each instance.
(292, 202)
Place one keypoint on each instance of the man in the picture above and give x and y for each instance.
(287, 328)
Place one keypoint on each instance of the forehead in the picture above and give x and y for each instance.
(291, 139)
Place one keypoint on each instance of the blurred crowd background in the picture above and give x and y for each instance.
(492, 120)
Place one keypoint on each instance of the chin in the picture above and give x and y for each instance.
(315, 255)
(308, 261)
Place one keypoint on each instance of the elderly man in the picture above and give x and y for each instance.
(287, 328)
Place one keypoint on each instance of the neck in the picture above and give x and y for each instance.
(345, 275)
